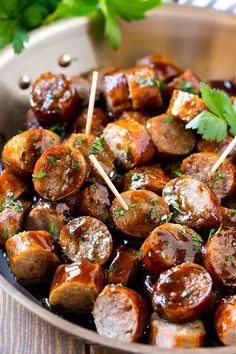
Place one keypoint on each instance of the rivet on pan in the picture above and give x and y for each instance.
(65, 60)
(24, 81)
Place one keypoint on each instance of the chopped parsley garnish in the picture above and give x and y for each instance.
(128, 154)
(171, 200)
(150, 81)
(79, 140)
(178, 173)
(5, 233)
(149, 254)
(119, 213)
(213, 232)
(53, 159)
(168, 119)
(186, 86)
(152, 202)
(197, 242)
(11, 252)
(97, 146)
(52, 229)
(105, 215)
(40, 174)
(12, 204)
(132, 206)
(60, 130)
(186, 293)
(136, 177)
(229, 260)
(219, 176)
(75, 166)
(166, 217)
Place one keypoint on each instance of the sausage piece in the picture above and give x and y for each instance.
(146, 211)
(228, 218)
(170, 137)
(188, 78)
(199, 165)
(120, 313)
(124, 266)
(143, 88)
(192, 202)
(138, 116)
(32, 256)
(59, 173)
(48, 216)
(13, 184)
(169, 245)
(176, 335)
(130, 143)
(185, 106)
(220, 258)
(95, 201)
(53, 98)
(100, 120)
(225, 320)
(145, 177)
(164, 68)
(183, 293)
(86, 238)
(23, 150)
(75, 286)
(12, 217)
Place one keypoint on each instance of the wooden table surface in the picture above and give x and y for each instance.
(21, 332)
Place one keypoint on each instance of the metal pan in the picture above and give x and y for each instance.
(194, 38)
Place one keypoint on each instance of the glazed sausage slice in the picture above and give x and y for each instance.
(59, 173)
(75, 286)
(146, 177)
(225, 320)
(169, 245)
(22, 151)
(83, 86)
(48, 216)
(176, 335)
(13, 184)
(164, 68)
(138, 116)
(199, 165)
(146, 211)
(130, 143)
(183, 293)
(188, 78)
(32, 256)
(143, 88)
(228, 218)
(53, 98)
(185, 106)
(192, 202)
(100, 120)
(86, 238)
(12, 217)
(124, 266)
(220, 258)
(95, 201)
(218, 147)
(170, 137)
(120, 313)
(116, 93)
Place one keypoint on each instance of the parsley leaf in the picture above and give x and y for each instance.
(186, 86)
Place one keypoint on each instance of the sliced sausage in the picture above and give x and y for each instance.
(185, 106)
(163, 67)
(48, 216)
(13, 184)
(59, 173)
(100, 120)
(220, 258)
(86, 238)
(144, 89)
(138, 116)
(199, 165)
(124, 266)
(23, 150)
(146, 211)
(83, 87)
(169, 245)
(170, 137)
(176, 335)
(75, 286)
(228, 218)
(53, 98)
(116, 93)
(120, 313)
(188, 78)
(183, 293)
(32, 256)
(146, 177)
(130, 143)
(192, 202)
(12, 216)
(95, 201)
(225, 320)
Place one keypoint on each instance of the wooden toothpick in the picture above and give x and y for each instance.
(108, 181)
(224, 155)
(91, 103)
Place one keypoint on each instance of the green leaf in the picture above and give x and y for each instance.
(210, 126)
(73, 8)
(214, 99)
(112, 29)
(19, 38)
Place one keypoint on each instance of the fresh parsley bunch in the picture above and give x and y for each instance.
(214, 123)
(18, 17)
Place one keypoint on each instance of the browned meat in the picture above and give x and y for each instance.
(183, 293)
(120, 313)
(228, 218)
(225, 320)
(218, 147)
(138, 116)
(100, 120)
(13, 184)
(188, 77)
(75, 286)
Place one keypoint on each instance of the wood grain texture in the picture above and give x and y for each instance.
(21, 332)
